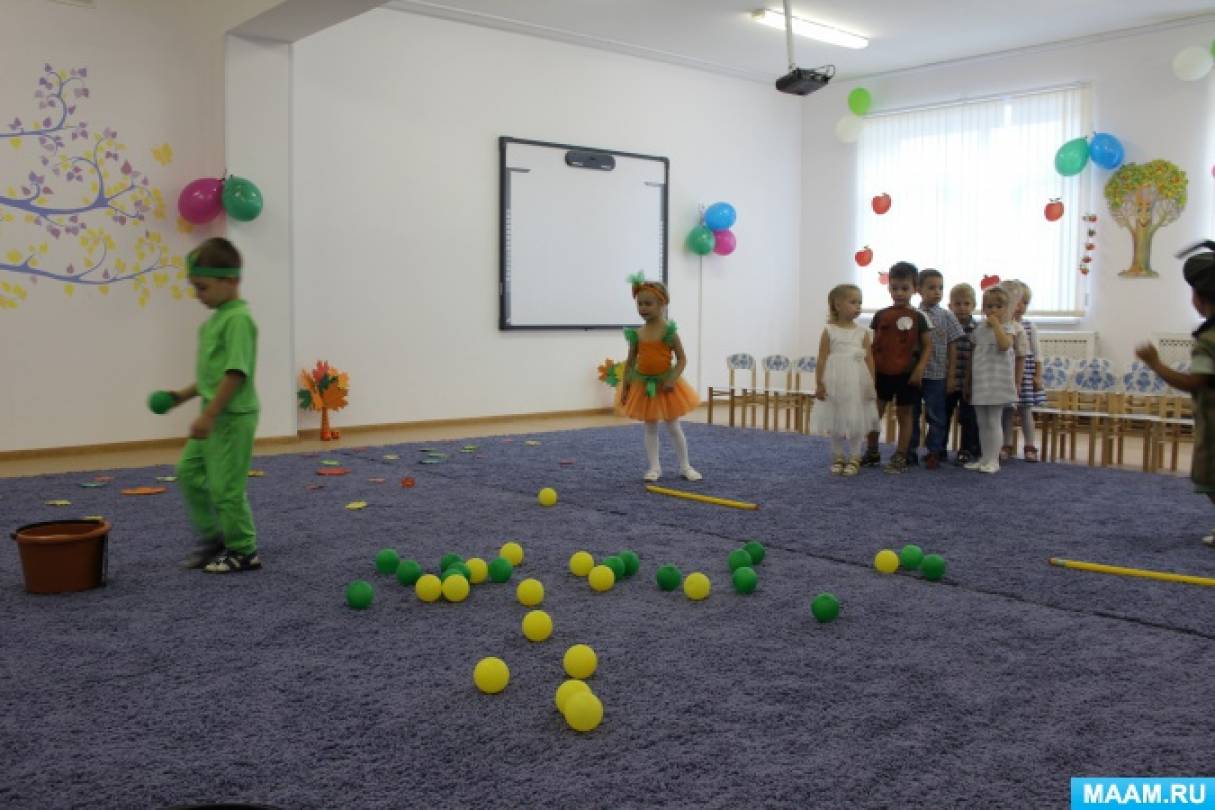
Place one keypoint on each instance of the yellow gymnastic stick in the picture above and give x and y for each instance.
(1132, 572)
(692, 496)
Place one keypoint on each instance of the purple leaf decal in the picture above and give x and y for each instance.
(46, 122)
(47, 190)
(84, 71)
(16, 124)
(71, 269)
(71, 109)
(25, 190)
(80, 91)
(54, 232)
(73, 218)
(46, 68)
(105, 274)
(126, 165)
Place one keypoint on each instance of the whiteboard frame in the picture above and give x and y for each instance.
(504, 263)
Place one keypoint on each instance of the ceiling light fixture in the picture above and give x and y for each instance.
(810, 30)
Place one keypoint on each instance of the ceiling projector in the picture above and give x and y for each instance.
(804, 81)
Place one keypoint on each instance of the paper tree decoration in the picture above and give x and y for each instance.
(611, 372)
(323, 389)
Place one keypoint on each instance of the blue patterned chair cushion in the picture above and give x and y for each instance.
(740, 362)
(1095, 375)
(807, 364)
(776, 362)
(1142, 380)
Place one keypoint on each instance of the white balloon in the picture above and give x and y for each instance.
(1193, 63)
(848, 128)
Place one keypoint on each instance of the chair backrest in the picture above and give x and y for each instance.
(774, 366)
(1095, 376)
(806, 364)
(1056, 373)
(741, 362)
(1142, 380)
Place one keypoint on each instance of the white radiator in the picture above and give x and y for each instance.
(1175, 347)
(1075, 345)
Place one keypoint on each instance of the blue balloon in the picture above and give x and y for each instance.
(1106, 151)
(720, 216)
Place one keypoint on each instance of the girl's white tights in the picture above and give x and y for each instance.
(1027, 425)
(846, 448)
(681, 451)
(991, 431)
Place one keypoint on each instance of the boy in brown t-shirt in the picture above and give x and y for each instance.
(902, 345)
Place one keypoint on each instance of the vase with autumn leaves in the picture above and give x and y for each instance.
(323, 389)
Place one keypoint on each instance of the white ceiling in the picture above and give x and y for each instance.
(718, 35)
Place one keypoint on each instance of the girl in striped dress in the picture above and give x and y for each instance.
(1031, 392)
(989, 378)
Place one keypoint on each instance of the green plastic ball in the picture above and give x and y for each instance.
(160, 401)
(911, 556)
(825, 607)
(447, 561)
(933, 567)
(408, 572)
(617, 565)
(387, 560)
(631, 562)
(359, 593)
(745, 579)
(453, 571)
(739, 558)
(669, 577)
(500, 570)
(756, 550)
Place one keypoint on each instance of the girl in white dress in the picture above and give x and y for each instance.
(847, 401)
(990, 378)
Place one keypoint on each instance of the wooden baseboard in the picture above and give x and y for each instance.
(303, 435)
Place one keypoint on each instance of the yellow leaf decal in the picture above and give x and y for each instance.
(160, 279)
(104, 290)
(163, 154)
(13, 257)
(68, 289)
(176, 292)
(16, 143)
(184, 226)
(42, 248)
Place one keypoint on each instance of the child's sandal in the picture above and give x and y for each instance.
(837, 466)
(1006, 452)
(1031, 453)
(852, 467)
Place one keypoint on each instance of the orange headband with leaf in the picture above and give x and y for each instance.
(658, 288)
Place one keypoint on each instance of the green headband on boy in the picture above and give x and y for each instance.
(193, 269)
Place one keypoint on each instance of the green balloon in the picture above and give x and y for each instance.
(359, 593)
(500, 570)
(160, 401)
(456, 569)
(745, 579)
(756, 550)
(408, 572)
(242, 200)
(631, 562)
(669, 577)
(447, 560)
(825, 607)
(911, 556)
(617, 565)
(701, 240)
(859, 101)
(387, 560)
(739, 558)
(1072, 157)
(933, 567)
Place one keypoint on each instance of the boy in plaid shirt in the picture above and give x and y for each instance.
(962, 305)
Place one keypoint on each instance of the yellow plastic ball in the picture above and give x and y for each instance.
(537, 625)
(513, 552)
(428, 587)
(530, 592)
(886, 561)
(567, 690)
(455, 588)
(580, 661)
(478, 570)
(696, 586)
(583, 711)
(581, 563)
(601, 578)
(491, 675)
(547, 496)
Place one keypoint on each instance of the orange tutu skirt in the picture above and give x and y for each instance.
(662, 407)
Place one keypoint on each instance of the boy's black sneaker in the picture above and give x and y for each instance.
(203, 552)
(872, 458)
(233, 562)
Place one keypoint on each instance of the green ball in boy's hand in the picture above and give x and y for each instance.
(358, 594)
(160, 401)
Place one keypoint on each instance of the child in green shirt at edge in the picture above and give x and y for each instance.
(214, 466)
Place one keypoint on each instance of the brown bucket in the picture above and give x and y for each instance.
(62, 556)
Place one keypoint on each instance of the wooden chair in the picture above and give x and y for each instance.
(779, 394)
(1085, 407)
(1142, 396)
(1176, 427)
(738, 393)
(803, 383)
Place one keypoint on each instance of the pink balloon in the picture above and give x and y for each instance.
(724, 243)
(201, 200)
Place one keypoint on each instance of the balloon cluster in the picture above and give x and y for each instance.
(713, 234)
(202, 200)
(1104, 149)
(1194, 63)
(1090, 243)
(848, 128)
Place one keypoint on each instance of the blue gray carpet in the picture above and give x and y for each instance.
(990, 688)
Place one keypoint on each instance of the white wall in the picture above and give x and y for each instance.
(395, 126)
(1136, 97)
(78, 368)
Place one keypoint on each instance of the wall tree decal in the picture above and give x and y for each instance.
(84, 191)
(1143, 198)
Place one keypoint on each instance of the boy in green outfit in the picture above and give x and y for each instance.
(1199, 381)
(214, 466)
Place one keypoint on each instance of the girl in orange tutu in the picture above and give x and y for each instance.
(653, 389)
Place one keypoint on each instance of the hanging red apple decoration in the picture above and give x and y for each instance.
(881, 203)
(989, 281)
(883, 277)
(864, 256)
(1053, 210)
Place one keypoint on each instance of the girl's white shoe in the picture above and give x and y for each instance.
(652, 474)
(690, 474)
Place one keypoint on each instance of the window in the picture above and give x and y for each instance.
(969, 182)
